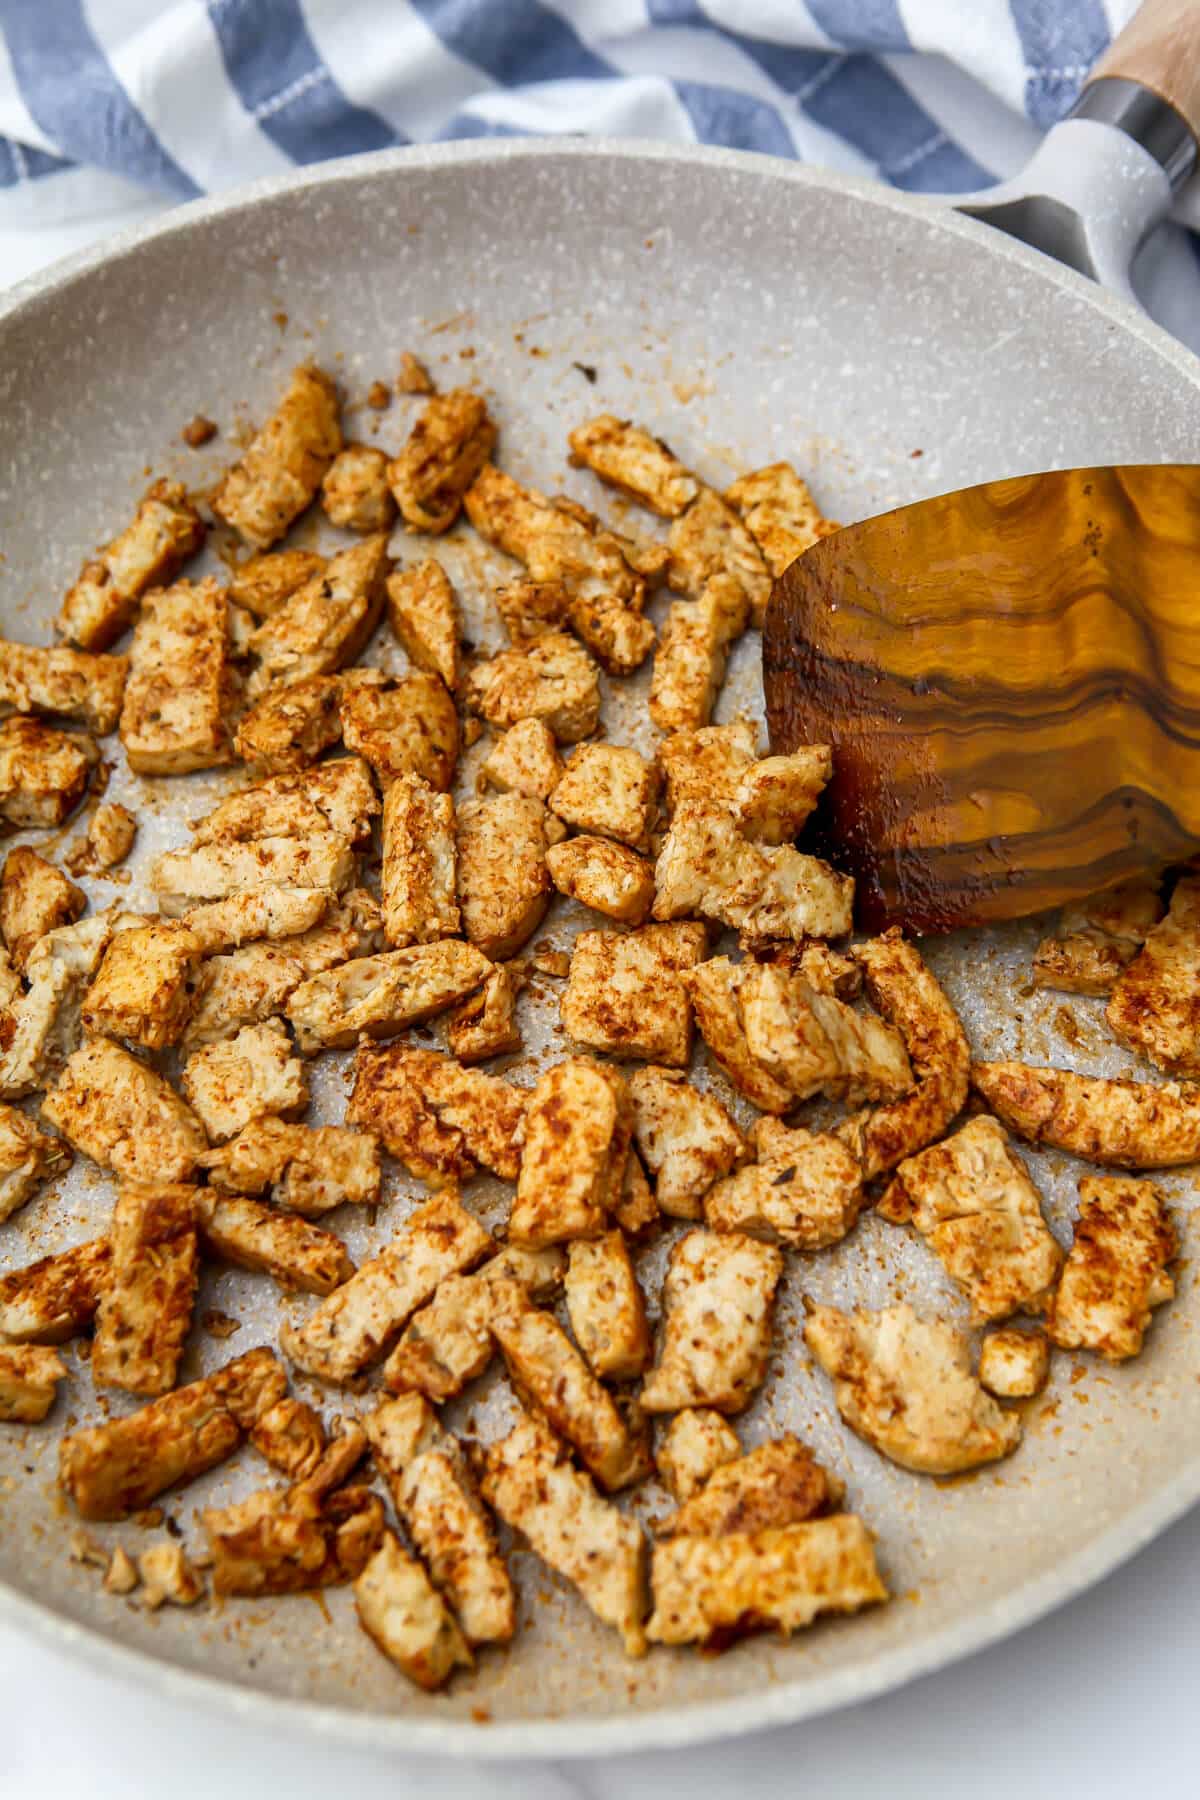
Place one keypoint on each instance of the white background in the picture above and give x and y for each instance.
(1101, 1699)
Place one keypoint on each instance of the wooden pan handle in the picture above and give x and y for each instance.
(1160, 48)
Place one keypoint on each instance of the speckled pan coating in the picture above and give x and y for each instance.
(746, 310)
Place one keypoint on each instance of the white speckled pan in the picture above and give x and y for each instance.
(746, 310)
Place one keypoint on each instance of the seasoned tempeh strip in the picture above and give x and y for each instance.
(124, 1115)
(436, 1498)
(449, 1342)
(115, 1469)
(1122, 1124)
(145, 1312)
(710, 1590)
(282, 469)
(56, 1297)
(360, 1320)
(402, 1612)
(290, 1250)
(530, 1480)
(164, 532)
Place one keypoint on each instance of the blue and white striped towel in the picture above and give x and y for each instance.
(103, 99)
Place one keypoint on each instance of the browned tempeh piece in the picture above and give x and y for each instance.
(358, 1323)
(152, 549)
(56, 1297)
(115, 1469)
(290, 1250)
(282, 469)
(1122, 1124)
(145, 1312)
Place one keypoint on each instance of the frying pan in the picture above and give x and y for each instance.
(746, 310)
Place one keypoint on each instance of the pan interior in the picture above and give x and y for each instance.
(744, 314)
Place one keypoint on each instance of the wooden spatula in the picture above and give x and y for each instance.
(1010, 678)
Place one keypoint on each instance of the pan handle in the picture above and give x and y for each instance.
(1148, 84)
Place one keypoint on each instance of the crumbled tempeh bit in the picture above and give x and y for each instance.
(710, 541)
(180, 684)
(814, 1043)
(448, 445)
(1013, 1364)
(71, 684)
(168, 1578)
(145, 1311)
(406, 726)
(972, 1199)
(689, 664)
(165, 531)
(419, 875)
(607, 877)
(711, 1590)
(552, 1378)
(252, 1075)
(530, 1480)
(692, 1445)
(293, 1540)
(44, 773)
(291, 1437)
(404, 1615)
(28, 1157)
(117, 1468)
(905, 991)
(607, 1308)
(530, 609)
(1117, 1269)
(609, 790)
(552, 679)
(718, 1298)
(578, 1129)
(686, 1138)
(435, 1496)
(145, 987)
(436, 1118)
(781, 515)
(449, 1342)
(263, 583)
(524, 760)
(905, 1384)
(424, 617)
(360, 1320)
(485, 1025)
(124, 1115)
(282, 469)
(121, 1576)
(382, 994)
(338, 796)
(626, 992)
(355, 492)
(714, 989)
(1097, 939)
(1154, 1008)
(56, 1297)
(413, 377)
(29, 1376)
(1126, 1124)
(778, 1483)
(110, 834)
(290, 724)
(504, 886)
(640, 465)
(292, 1251)
(707, 866)
(805, 1190)
(35, 898)
(309, 1169)
(326, 623)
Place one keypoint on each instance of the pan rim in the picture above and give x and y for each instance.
(789, 1701)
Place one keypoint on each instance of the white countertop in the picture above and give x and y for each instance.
(1096, 1700)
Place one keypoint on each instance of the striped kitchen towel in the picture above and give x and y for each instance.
(105, 100)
